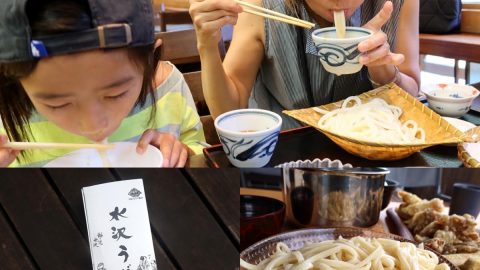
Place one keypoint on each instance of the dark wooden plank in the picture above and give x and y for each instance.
(42, 221)
(12, 253)
(70, 182)
(183, 222)
(221, 188)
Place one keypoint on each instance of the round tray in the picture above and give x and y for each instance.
(297, 239)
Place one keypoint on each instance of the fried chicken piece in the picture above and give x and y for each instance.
(460, 248)
(421, 220)
(409, 198)
(430, 230)
(464, 227)
(413, 204)
(436, 244)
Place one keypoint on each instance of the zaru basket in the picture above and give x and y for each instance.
(437, 130)
(466, 150)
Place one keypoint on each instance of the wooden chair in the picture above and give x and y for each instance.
(194, 81)
(173, 16)
(180, 48)
(459, 46)
(173, 3)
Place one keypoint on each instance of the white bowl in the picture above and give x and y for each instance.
(122, 155)
(248, 136)
(452, 100)
(340, 55)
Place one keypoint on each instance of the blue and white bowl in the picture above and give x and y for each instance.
(452, 100)
(248, 136)
(340, 55)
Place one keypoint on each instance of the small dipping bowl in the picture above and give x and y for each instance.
(340, 55)
(388, 190)
(452, 100)
(248, 136)
(260, 217)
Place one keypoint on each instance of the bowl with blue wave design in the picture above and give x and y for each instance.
(452, 100)
(340, 55)
(248, 136)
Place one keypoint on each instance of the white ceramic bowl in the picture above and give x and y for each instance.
(452, 100)
(340, 55)
(248, 136)
(122, 155)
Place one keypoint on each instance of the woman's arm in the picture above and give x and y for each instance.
(407, 43)
(227, 87)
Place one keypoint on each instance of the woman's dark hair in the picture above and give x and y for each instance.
(50, 18)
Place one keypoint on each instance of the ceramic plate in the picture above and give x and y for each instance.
(461, 125)
(297, 239)
(122, 155)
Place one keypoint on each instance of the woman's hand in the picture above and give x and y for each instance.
(7, 156)
(376, 50)
(175, 153)
(209, 16)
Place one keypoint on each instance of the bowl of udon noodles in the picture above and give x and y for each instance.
(340, 248)
(386, 123)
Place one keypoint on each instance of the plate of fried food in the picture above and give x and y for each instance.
(454, 236)
(340, 248)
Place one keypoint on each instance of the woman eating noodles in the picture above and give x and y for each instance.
(274, 65)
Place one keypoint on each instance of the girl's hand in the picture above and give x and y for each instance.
(209, 16)
(376, 50)
(7, 156)
(175, 153)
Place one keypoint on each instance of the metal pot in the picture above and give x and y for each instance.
(332, 197)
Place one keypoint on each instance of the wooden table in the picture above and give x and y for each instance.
(463, 46)
(193, 215)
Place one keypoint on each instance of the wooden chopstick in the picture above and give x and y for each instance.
(267, 13)
(38, 145)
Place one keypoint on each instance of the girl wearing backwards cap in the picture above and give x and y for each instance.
(76, 71)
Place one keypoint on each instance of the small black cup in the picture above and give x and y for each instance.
(465, 199)
(388, 190)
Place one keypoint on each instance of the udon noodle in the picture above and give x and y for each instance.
(104, 155)
(356, 253)
(375, 120)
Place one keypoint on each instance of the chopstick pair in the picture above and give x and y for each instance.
(266, 13)
(38, 145)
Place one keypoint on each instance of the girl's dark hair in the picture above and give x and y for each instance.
(49, 18)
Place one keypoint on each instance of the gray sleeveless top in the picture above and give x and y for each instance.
(291, 75)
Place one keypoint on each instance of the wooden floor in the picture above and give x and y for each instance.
(193, 214)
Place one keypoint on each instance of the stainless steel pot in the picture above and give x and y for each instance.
(333, 197)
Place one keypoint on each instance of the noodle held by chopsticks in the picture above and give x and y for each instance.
(356, 253)
(374, 121)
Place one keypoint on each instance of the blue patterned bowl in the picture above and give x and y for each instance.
(248, 136)
(453, 100)
(340, 55)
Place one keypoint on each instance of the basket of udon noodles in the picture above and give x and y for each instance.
(340, 248)
(390, 124)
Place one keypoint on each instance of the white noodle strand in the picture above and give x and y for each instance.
(374, 121)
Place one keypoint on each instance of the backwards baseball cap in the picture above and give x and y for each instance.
(116, 23)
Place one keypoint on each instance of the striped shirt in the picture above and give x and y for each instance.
(176, 114)
(291, 75)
